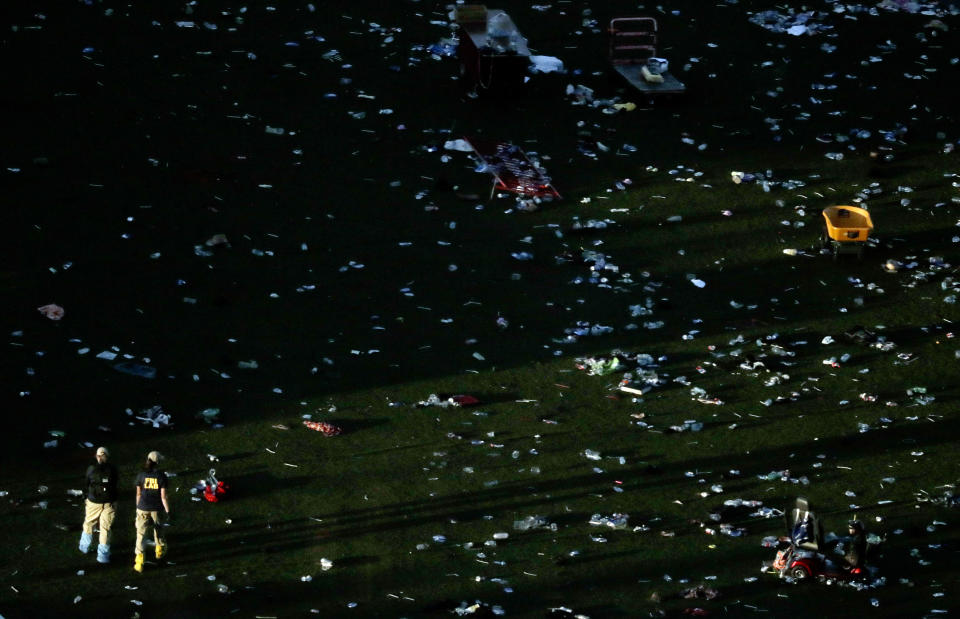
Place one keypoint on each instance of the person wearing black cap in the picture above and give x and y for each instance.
(99, 506)
(151, 503)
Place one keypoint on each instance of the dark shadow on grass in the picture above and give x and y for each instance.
(358, 425)
(214, 464)
(252, 485)
(358, 560)
(235, 456)
(520, 497)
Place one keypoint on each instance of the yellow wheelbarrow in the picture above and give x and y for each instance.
(845, 229)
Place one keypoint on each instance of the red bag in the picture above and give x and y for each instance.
(328, 429)
(213, 488)
(213, 493)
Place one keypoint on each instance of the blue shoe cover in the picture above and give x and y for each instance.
(85, 540)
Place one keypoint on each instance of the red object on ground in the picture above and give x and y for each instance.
(512, 170)
(465, 400)
(328, 429)
(213, 493)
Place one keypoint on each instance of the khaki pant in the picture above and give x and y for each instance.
(146, 520)
(104, 513)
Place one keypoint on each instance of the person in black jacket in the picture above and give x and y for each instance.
(856, 547)
(99, 507)
(151, 503)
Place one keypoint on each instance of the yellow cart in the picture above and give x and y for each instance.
(845, 229)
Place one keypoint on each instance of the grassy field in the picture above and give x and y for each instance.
(366, 269)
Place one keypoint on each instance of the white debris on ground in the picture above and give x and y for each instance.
(620, 294)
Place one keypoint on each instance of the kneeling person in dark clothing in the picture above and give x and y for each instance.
(153, 509)
(856, 547)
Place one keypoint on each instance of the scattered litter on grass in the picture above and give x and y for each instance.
(587, 259)
(210, 416)
(530, 523)
(327, 429)
(153, 416)
(700, 592)
(613, 521)
(51, 311)
(454, 400)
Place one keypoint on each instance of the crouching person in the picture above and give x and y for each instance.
(153, 509)
(856, 548)
(99, 506)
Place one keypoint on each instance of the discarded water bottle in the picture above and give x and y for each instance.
(834, 156)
